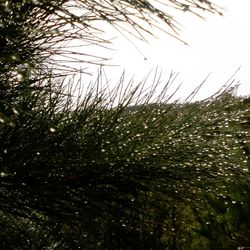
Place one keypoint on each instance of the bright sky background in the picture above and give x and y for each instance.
(217, 46)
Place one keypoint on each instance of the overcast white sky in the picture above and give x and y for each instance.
(218, 45)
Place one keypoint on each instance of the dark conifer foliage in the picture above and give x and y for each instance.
(106, 169)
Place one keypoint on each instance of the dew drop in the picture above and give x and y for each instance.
(20, 77)
(2, 174)
(15, 111)
(52, 130)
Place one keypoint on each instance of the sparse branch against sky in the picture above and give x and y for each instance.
(217, 46)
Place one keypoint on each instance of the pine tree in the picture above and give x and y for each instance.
(103, 170)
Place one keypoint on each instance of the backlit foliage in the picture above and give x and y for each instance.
(94, 168)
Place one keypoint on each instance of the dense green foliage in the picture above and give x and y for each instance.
(111, 169)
